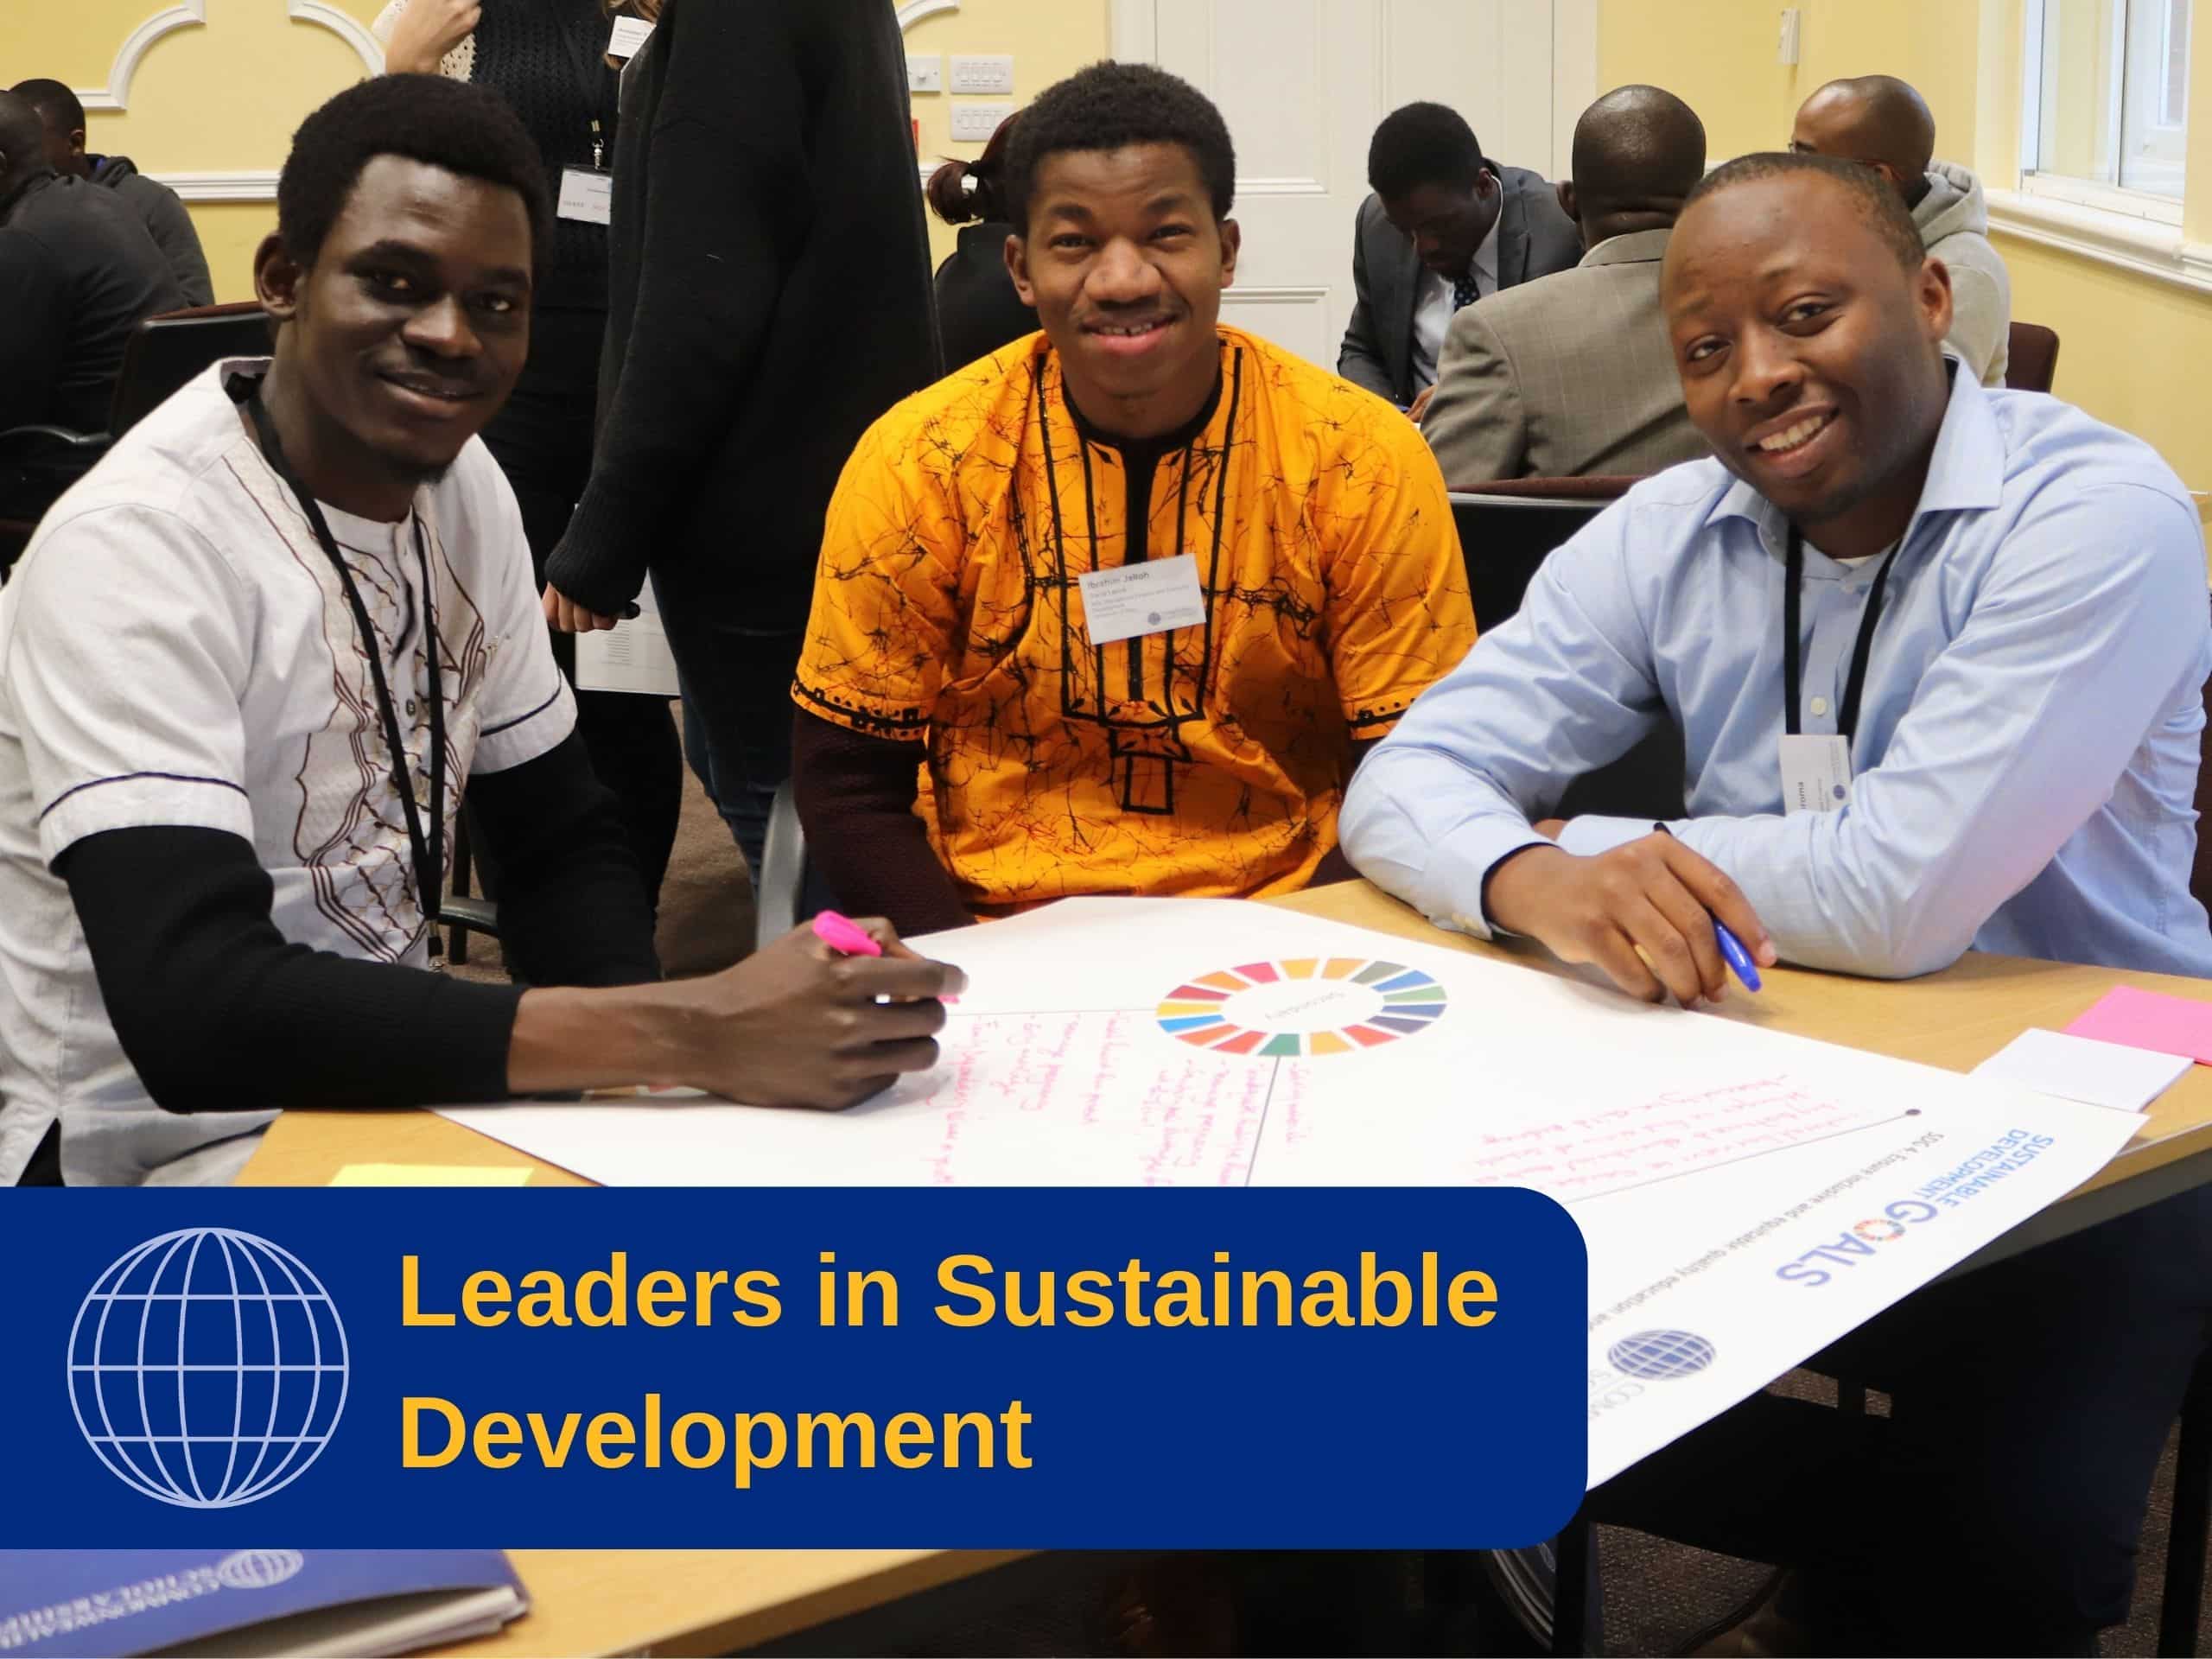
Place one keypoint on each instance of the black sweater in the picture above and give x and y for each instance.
(769, 297)
(546, 60)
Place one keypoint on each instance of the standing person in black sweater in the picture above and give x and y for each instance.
(546, 61)
(978, 309)
(770, 298)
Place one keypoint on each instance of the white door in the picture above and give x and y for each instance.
(1303, 83)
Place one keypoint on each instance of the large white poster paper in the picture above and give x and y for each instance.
(1746, 1196)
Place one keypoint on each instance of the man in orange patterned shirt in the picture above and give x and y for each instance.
(1131, 596)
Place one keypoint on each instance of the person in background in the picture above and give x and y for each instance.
(770, 297)
(159, 208)
(77, 273)
(544, 60)
(1308, 579)
(978, 308)
(307, 595)
(1880, 121)
(1444, 227)
(1576, 374)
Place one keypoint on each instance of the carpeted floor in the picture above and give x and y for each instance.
(1658, 1595)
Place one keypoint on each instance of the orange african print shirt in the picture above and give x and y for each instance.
(1202, 760)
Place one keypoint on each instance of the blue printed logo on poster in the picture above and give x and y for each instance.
(1659, 1356)
(207, 1367)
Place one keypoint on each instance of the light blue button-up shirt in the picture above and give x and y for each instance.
(2025, 762)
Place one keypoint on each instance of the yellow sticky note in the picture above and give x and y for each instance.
(430, 1175)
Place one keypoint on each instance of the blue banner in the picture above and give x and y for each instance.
(979, 1368)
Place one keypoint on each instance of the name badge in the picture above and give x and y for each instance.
(630, 37)
(1815, 773)
(1139, 599)
(586, 194)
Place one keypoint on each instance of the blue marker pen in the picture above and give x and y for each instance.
(1732, 951)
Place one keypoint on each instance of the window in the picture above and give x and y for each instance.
(2108, 93)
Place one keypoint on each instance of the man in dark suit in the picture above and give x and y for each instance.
(1444, 227)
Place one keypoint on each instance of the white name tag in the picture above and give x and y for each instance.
(630, 37)
(587, 194)
(1137, 599)
(1815, 773)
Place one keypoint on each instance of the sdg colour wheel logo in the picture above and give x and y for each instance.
(207, 1367)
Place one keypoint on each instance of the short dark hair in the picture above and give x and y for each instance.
(427, 119)
(1422, 144)
(53, 101)
(1108, 106)
(1882, 208)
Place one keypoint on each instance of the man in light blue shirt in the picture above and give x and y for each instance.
(1984, 733)
(2026, 748)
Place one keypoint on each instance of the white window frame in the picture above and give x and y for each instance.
(2154, 210)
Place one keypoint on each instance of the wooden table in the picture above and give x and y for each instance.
(710, 1601)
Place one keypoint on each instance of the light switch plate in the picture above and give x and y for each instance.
(925, 72)
(1788, 46)
(991, 72)
(976, 122)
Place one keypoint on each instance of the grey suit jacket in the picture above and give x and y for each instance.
(1534, 239)
(1566, 377)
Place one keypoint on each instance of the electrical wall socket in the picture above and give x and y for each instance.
(988, 74)
(925, 72)
(976, 122)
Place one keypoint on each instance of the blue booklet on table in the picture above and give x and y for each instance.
(250, 1602)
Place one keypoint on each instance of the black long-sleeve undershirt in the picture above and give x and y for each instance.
(218, 1012)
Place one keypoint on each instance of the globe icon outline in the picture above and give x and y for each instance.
(1662, 1355)
(152, 1377)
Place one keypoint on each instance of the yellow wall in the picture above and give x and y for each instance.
(226, 96)
(2131, 347)
(1719, 56)
(220, 96)
(1050, 40)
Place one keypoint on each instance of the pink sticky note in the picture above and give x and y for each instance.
(2166, 1025)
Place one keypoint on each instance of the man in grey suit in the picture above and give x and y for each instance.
(1577, 374)
(1444, 227)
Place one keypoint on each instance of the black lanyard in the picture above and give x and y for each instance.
(1793, 578)
(429, 850)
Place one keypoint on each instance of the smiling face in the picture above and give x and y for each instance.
(405, 335)
(1125, 262)
(1809, 356)
(1447, 223)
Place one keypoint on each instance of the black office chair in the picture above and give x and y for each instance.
(163, 352)
(1507, 529)
(2031, 357)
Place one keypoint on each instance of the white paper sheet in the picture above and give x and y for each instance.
(2084, 1069)
(1746, 1196)
(632, 655)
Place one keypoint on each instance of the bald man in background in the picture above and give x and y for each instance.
(1882, 123)
(1574, 374)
